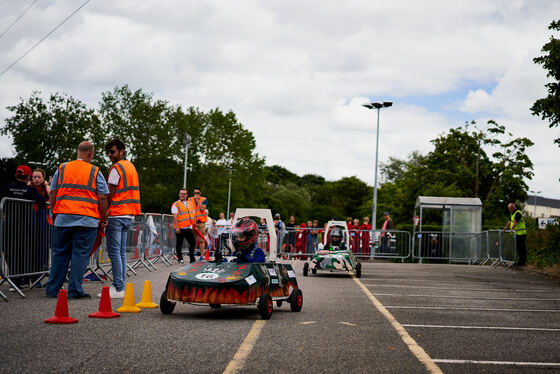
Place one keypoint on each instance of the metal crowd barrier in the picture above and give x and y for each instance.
(492, 246)
(25, 235)
(391, 244)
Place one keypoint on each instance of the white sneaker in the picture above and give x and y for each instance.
(114, 294)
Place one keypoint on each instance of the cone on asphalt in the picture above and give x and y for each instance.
(105, 309)
(128, 304)
(147, 302)
(61, 311)
(207, 255)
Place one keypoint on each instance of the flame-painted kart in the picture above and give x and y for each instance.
(236, 283)
(334, 260)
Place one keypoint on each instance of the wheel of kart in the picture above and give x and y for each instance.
(265, 306)
(278, 303)
(358, 270)
(296, 300)
(314, 271)
(165, 305)
(215, 306)
(305, 269)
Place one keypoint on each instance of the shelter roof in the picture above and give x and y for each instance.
(440, 202)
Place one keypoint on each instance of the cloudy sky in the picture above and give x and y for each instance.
(296, 72)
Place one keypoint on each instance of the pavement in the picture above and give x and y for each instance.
(396, 318)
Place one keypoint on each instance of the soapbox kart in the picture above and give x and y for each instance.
(336, 259)
(236, 283)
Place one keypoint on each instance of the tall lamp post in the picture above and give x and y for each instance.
(229, 190)
(187, 144)
(378, 106)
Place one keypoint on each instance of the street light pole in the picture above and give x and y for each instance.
(229, 190)
(377, 106)
(186, 143)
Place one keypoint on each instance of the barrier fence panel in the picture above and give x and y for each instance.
(390, 244)
(483, 254)
(167, 239)
(508, 252)
(153, 232)
(494, 244)
(25, 242)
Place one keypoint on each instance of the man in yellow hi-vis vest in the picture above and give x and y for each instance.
(516, 224)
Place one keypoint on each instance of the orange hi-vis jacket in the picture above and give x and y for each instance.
(186, 215)
(201, 215)
(126, 200)
(77, 189)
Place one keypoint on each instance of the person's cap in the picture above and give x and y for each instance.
(277, 215)
(303, 225)
(386, 213)
(23, 170)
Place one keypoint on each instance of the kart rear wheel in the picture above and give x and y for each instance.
(265, 306)
(165, 305)
(358, 270)
(296, 300)
(305, 269)
(314, 271)
(215, 306)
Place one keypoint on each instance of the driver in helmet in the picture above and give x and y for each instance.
(244, 237)
(336, 243)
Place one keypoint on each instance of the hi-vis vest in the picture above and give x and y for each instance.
(201, 215)
(520, 227)
(77, 189)
(186, 215)
(126, 200)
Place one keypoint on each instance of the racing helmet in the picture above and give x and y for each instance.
(336, 236)
(244, 234)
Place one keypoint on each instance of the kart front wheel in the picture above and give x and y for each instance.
(296, 300)
(305, 269)
(165, 305)
(358, 270)
(314, 271)
(265, 306)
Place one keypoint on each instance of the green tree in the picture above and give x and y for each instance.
(49, 131)
(549, 107)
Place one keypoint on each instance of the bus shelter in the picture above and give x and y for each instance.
(461, 223)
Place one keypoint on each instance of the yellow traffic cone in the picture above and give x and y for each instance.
(146, 302)
(128, 304)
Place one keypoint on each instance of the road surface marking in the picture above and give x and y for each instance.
(459, 289)
(347, 323)
(482, 327)
(415, 280)
(480, 309)
(418, 351)
(307, 322)
(509, 363)
(468, 297)
(238, 360)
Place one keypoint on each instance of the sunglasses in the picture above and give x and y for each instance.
(197, 193)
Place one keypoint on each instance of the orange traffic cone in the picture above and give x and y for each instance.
(105, 309)
(61, 312)
(128, 304)
(147, 302)
(207, 255)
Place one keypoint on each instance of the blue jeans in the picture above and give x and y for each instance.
(115, 235)
(70, 244)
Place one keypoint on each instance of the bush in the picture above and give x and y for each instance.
(543, 247)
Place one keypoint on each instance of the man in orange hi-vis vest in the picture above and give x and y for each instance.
(184, 218)
(124, 204)
(78, 195)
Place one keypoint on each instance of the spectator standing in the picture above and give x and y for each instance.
(223, 226)
(386, 234)
(366, 228)
(311, 237)
(280, 228)
(184, 218)
(38, 180)
(516, 224)
(357, 236)
(15, 250)
(291, 229)
(351, 232)
(124, 204)
(78, 194)
(301, 239)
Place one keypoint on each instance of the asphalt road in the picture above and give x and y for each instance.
(465, 319)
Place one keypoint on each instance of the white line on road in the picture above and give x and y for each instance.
(480, 309)
(457, 289)
(508, 363)
(468, 297)
(481, 327)
(418, 351)
(238, 360)
(415, 280)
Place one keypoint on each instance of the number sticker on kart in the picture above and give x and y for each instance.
(207, 276)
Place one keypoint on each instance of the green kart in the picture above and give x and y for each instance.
(236, 283)
(336, 257)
